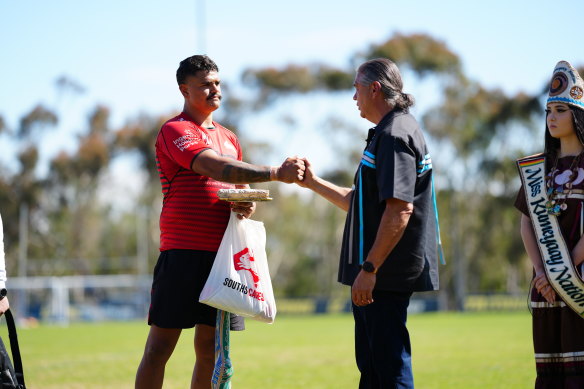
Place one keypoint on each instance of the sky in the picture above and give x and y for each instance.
(125, 53)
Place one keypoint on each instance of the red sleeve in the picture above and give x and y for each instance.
(183, 142)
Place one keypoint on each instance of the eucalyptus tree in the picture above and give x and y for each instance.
(471, 126)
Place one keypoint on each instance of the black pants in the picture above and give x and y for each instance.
(382, 342)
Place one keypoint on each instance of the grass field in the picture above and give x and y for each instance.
(450, 350)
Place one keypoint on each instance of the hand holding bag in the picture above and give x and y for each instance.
(239, 281)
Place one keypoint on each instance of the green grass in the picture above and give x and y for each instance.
(450, 350)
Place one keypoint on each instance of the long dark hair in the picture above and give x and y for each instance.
(552, 145)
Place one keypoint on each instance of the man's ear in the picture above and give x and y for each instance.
(375, 86)
(184, 90)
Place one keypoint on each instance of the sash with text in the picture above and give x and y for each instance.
(555, 254)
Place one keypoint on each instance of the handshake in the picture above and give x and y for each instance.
(293, 170)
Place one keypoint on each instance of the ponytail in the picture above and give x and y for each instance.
(405, 101)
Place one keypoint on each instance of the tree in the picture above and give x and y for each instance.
(474, 124)
(472, 130)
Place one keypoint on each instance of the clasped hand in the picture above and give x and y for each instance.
(544, 288)
(291, 170)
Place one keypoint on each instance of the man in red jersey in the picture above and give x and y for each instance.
(196, 157)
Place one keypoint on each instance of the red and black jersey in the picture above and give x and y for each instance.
(192, 216)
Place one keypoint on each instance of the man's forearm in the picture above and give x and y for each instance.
(209, 163)
(391, 229)
(238, 172)
(339, 196)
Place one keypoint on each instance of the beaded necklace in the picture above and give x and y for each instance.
(557, 197)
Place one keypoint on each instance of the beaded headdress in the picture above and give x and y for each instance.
(566, 86)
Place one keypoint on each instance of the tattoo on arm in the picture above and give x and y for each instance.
(239, 172)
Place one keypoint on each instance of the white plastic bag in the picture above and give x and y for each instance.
(240, 279)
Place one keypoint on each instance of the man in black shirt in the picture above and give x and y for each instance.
(390, 243)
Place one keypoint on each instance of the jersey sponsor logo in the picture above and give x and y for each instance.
(206, 139)
(242, 261)
(187, 140)
(190, 138)
(229, 145)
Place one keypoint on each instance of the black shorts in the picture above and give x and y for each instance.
(179, 277)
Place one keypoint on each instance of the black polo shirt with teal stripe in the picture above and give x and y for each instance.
(395, 164)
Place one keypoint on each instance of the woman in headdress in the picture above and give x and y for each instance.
(557, 199)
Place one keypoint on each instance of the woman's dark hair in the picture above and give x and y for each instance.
(191, 65)
(552, 145)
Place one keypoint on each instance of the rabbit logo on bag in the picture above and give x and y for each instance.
(242, 261)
